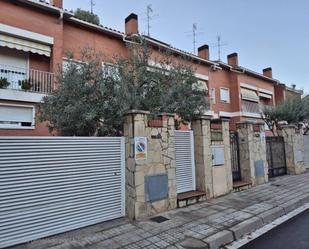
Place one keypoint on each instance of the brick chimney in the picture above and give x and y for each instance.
(232, 59)
(203, 52)
(57, 3)
(131, 24)
(268, 72)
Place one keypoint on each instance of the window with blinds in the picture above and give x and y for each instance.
(16, 116)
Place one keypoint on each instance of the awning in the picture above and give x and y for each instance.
(265, 95)
(24, 45)
(249, 95)
(200, 86)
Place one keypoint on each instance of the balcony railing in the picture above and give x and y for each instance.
(251, 107)
(28, 80)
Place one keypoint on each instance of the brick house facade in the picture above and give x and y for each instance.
(36, 36)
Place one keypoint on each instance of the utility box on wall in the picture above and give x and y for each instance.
(218, 157)
(156, 188)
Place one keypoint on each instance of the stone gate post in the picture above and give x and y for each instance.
(294, 149)
(150, 180)
(202, 154)
(252, 152)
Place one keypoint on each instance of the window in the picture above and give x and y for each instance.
(17, 117)
(225, 95)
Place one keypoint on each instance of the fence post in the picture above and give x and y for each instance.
(227, 152)
(252, 152)
(294, 149)
(202, 155)
(150, 181)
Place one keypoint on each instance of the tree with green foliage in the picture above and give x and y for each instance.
(87, 16)
(290, 111)
(89, 102)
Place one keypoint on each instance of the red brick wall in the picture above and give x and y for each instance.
(21, 16)
(77, 38)
(39, 62)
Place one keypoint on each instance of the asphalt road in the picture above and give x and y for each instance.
(293, 234)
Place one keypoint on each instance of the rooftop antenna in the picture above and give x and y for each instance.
(92, 3)
(149, 12)
(194, 29)
(194, 35)
(149, 17)
(219, 45)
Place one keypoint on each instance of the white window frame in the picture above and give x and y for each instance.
(228, 92)
(19, 126)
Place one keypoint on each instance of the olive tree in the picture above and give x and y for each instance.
(290, 112)
(91, 100)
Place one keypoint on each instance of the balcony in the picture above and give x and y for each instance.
(250, 107)
(28, 80)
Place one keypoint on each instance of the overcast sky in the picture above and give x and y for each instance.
(263, 32)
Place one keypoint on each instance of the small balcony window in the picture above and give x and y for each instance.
(225, 95)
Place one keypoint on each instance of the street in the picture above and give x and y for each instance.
(292, 234)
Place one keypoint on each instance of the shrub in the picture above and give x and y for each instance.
(87, 16)
(4, 83)
(25, 84)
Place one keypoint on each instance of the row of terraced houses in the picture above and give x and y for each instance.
(35, 37)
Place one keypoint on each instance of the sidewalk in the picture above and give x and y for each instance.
(204, 225)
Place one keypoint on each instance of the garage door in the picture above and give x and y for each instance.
(53, 185)
(185, 165)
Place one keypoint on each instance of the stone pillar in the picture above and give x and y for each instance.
(227, 153)
(294, 149)
(252, 152)
(202, 155)
(151, 182)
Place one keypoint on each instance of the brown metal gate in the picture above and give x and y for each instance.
(235, 159)
(276, 156)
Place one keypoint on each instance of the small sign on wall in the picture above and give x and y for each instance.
(140, 144)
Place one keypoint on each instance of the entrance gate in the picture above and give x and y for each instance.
(50, 185)
(276, 156)
(235, 156)
(185, 165)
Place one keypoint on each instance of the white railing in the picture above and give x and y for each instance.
(252, 107)
(27, 80)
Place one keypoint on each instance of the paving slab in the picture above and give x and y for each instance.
(207, 224)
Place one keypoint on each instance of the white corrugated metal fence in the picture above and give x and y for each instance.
(306, 140)
(185, 165)
(50, 185)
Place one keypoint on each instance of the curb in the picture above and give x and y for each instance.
(231, 235)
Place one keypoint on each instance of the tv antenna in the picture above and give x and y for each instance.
(149, 17)
(194, 35)
(92, 3)
(219, 46)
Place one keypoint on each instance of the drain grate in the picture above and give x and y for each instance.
(159, 219)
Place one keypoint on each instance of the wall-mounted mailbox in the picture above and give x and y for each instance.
(217, 155)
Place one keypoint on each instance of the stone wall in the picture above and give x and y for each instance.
(215, 180)
(252, 152)
(159, 165)
(294, 149)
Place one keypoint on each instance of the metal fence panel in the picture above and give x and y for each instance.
(50, 185)
(306, 140)
(275, 154)
(185, 164)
